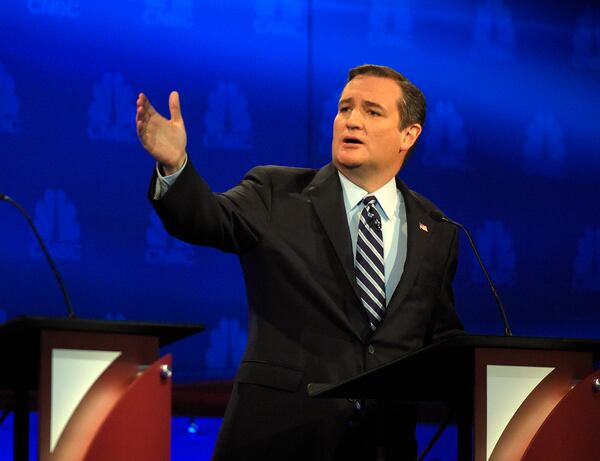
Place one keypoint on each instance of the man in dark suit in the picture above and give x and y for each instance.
(344, 269)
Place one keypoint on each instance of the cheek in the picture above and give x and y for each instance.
(389, 143)
(393, 136)
(385, 135)
(338, 124)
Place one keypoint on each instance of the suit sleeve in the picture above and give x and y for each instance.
(445, 321)
(233, 221)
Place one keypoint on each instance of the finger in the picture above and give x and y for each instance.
(141, 117)
(141, 129)
(139, 113)
(140, 126)
(174, 107)
(144, 103)
(145, 111)
(138, 107)
(142, 113)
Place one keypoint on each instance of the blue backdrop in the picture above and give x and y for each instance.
(510, 147)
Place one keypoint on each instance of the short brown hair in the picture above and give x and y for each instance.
(411, 106)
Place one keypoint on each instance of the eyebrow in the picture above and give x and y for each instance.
(344, 101)
(374, 104)
(365, 103)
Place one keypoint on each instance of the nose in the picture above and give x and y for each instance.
(354, 119)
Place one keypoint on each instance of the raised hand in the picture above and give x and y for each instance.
(164, 139)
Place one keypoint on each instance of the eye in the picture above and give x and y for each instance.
(374, 113)
(344, 109)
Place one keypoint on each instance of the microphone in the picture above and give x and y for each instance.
(57, 275)
(438, 216)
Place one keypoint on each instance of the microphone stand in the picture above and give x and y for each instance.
(38, 237)
(440, 217)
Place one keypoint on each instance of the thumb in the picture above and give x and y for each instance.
(174, 106)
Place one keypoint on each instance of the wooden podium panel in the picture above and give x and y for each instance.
(139, 425)
(71, 442)
(508, 413)
(572, 430)
(466, 372)
(90, 375)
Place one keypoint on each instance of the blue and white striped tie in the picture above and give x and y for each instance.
(369, 265)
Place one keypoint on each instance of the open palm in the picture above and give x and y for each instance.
(164, 139)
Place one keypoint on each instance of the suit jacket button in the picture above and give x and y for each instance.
(371, 349)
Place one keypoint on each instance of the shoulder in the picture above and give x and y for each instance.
(414, 199)
(424, 202)
(419, 208)
(282, 177)
(278, 171)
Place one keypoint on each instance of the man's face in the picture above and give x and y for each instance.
(366, 136)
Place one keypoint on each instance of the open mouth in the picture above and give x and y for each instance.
(350, 140)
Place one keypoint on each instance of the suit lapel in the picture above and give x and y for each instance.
(325, 192)
(418, 224)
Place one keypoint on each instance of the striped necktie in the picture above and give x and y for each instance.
(369, 265)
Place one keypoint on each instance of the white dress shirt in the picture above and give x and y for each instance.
(390, 205)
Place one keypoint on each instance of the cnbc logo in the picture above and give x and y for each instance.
(497, 250)
(281, 18)
(9, 104)
(56, 219)
(544, 150)
(586, 40)
(173, 13)
(111, 110)
(445, 142)
(56, 8)
(227, 124)
(390, 24)
(493, 31)
(161, 248)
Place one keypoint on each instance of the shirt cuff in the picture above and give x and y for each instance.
(163, 183)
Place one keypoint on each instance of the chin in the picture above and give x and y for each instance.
(350, 166)
(347, 161)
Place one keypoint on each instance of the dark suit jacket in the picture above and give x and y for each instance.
(306, 321)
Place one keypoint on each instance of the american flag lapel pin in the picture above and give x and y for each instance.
(423, 227)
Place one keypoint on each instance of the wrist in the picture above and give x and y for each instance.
(175, 167)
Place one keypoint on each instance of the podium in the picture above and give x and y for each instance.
(102, 391)
(515, 398)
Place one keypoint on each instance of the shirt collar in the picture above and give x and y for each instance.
(386, 196)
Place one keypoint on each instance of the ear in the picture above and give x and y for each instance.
(410, 135)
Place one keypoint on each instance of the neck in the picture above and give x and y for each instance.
(367, 182)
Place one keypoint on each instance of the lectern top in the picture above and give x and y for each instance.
(441, 369)
(165, 332)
